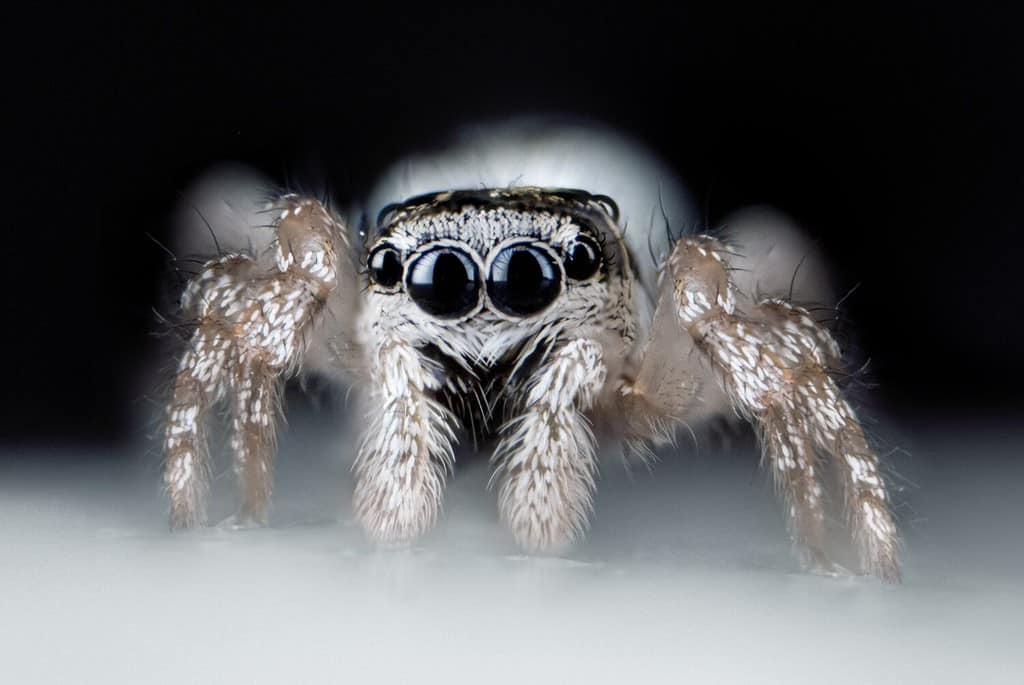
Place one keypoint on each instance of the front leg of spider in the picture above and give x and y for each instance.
(546, 460)
(406, 451)
(775, 364)
(250, 329)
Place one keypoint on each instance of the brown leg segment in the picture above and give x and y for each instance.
(196, 389)
(774, 363)
(796, 474)
(255, 400)
(252, 324)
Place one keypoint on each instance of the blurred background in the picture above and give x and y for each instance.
(892, 133)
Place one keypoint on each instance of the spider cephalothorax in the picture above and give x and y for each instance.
(488, 282)
(521, 313)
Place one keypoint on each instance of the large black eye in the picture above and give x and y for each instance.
(524, 280)
(385, 266)
(582, 258)
(444, 282)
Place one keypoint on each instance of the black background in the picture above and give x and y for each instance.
(893, 133)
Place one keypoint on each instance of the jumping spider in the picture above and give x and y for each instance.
(525, 312)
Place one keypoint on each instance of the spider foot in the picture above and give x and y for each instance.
(816, 561)
(240, 521)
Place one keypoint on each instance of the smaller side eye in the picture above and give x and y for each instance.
(385, 266)
(582, 258)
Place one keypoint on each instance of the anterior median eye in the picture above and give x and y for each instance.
(385, 266)
(524, 279)
(582, 258)
(444, 282)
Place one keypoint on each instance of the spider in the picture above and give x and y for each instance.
(521, 291)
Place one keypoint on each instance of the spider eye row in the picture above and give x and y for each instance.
(523, 278)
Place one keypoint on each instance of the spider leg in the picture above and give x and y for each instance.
(255, 407)
(546, 460)
(199, 383)
(406, 451)
(251, 322)
(774, 364)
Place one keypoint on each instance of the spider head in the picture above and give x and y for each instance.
(476, 273)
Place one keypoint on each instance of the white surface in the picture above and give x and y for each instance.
(686, 577)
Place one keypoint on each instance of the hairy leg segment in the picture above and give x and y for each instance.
(776, 366)
(407, 450)
(546, 460)
(250, 323)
